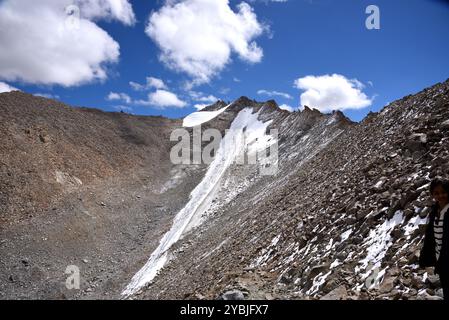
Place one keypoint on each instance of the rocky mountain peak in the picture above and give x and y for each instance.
(339, 116)
(271, 105)
(307, 109)
(220, 104)
(243, 102)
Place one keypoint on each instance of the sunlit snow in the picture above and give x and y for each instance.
(247, 133)
(200, 117)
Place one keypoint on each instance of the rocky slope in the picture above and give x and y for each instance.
(49, 149)
(82, 187)
(343, 218)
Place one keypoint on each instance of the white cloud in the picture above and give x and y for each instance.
(205, 100)
(57, 41)
(286, 107)
(274, 93)
(151, 83)
(120, 10)
(331, 92)
(114, 96)
(4, 87)
(156, 83)
(201, 97)
(137, 86)
(195, 94)
(209, 98)
(224, 91)
(197, 37)
(200, 107)
(162, 99)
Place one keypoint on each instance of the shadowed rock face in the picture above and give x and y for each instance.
(81, 185)
(43, 139)
(216, 106)
(343, 217)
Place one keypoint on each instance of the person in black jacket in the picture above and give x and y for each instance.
(435, 251)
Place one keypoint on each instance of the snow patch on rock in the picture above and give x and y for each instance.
(200, 117)
(246, 133)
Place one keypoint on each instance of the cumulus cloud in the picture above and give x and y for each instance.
(114, 96)
(120, 10)
(286, 107)
(209, 98)
(156, 83)
(150, 84)
(162, 99)
(332, 92)
(137, 86)
(58, 41)
(274, 93)
(200, 106)
(4, 87)
(203, 100)
(197, 37)
(202, 97)
(224, 91)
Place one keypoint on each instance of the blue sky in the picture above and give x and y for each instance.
(294, 40)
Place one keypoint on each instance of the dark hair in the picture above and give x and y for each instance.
(439, 182)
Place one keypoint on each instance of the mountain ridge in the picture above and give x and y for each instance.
(86, 185)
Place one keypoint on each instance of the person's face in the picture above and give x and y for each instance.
(440, 196)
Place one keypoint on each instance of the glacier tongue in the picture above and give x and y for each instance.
(246, 134)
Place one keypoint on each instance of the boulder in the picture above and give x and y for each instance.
(338, 293)
(233, 295)
(387, 285)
